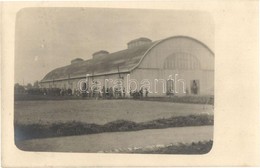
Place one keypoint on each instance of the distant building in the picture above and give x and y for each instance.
(186, 58)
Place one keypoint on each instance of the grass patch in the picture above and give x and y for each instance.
(38, 130)
(102, 112)
(201, 147)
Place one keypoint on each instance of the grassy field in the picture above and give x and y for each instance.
(101, 111)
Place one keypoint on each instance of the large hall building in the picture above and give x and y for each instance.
(180, 65)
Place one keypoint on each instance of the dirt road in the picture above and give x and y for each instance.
(110, 141)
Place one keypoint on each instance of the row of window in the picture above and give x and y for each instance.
(181, 61)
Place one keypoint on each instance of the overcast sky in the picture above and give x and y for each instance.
(47, 38)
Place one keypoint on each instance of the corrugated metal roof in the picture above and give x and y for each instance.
(123, 60)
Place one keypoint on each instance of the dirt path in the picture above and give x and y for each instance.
(109, 141)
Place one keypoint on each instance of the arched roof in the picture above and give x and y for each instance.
(117, 62)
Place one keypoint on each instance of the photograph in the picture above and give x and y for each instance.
(112, 80)
(130, 84)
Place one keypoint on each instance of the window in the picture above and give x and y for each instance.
(181, 61)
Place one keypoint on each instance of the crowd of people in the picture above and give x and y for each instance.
(113, 93)
(107, 93)
(49, 91)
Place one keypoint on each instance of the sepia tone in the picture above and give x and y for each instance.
(236, 135)
(154, 96)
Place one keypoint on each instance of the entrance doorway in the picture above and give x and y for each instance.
(170, 87)
(195, 87)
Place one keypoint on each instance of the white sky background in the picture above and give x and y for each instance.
(48, 38)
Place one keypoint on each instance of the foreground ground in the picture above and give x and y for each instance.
(120, 141)
(102, 111)
(148, 123)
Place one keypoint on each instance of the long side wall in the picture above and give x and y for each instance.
(182, 80)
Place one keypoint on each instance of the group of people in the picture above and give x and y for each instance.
(106, 93)
(140, 93)
(103, 93)
(50, 91)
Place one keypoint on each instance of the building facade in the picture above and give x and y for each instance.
(178, 65)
